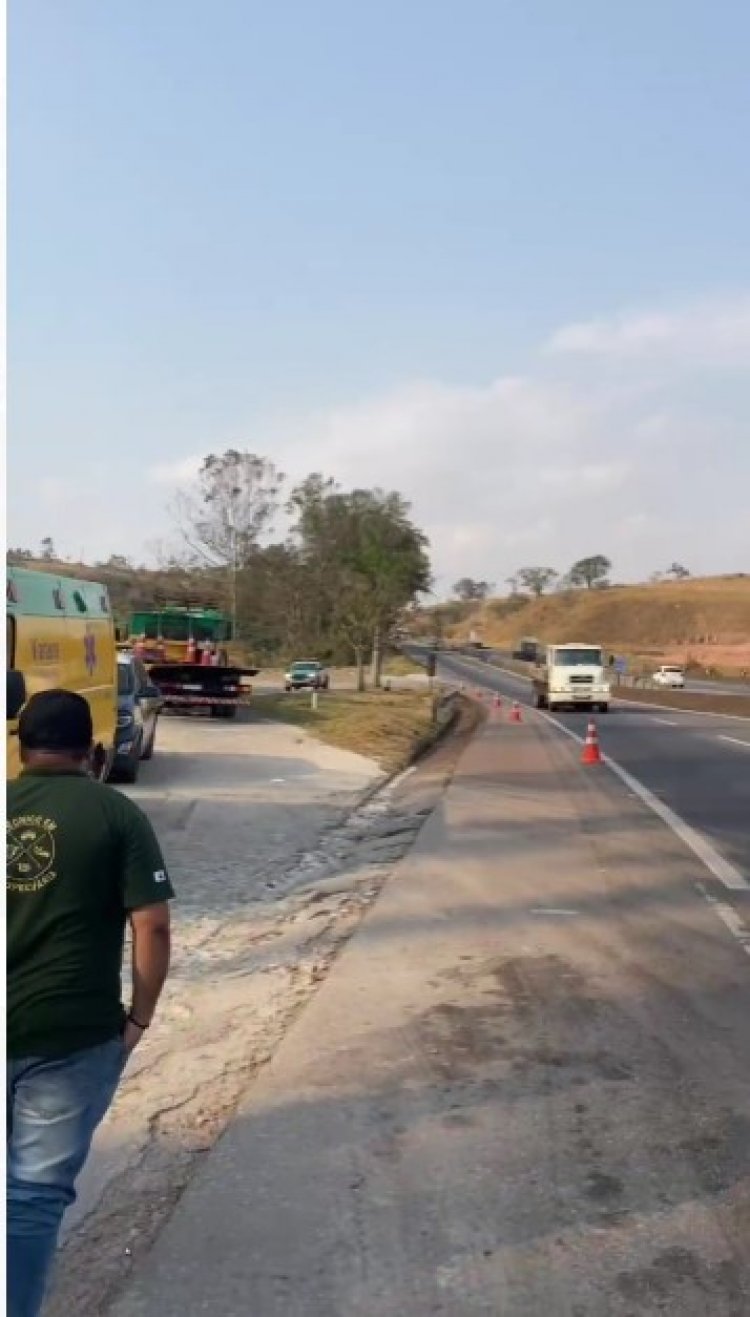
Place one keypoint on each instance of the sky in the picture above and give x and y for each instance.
(494, 255)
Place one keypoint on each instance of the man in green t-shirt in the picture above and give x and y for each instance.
(81, 861)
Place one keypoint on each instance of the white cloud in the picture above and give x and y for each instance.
(181, 472)
(712, 334)
(647, 462)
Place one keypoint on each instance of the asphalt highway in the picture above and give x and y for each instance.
(697, 764)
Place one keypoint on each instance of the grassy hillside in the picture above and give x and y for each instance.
(706, 621)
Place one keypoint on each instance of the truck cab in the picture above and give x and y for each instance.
(572, 675)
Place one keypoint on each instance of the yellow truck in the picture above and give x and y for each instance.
(60, 634)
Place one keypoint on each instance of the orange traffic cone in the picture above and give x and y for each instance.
(591, 752)
(515, 713)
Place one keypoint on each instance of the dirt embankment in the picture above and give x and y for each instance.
(702, 622)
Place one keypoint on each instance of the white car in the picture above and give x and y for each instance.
(668, 675)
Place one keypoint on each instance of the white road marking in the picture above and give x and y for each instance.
(544, 910)
(735, 741)
(729, 917)
(665, 722)
(697, 843)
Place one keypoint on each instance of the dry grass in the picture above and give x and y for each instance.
(397, 665)
(708, 619)
(383, 725)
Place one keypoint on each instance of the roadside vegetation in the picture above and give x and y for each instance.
(334, 588)
(387, 726)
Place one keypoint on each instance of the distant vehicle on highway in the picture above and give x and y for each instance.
(573, 675)
(527, 650)
(307, 674)
(669, 675)
(138, 706)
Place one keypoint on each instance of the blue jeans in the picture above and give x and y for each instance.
(52, 1110)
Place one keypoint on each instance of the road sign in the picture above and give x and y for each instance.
(621, 666)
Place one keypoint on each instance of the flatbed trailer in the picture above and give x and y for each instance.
(220, 690)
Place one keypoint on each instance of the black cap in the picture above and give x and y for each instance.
(58, 721)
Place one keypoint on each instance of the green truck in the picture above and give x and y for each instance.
(185, 649)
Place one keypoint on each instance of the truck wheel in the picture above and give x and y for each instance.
(540, 702)
(604, 708)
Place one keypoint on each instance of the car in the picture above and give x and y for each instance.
(306, 674)
(669, 675)
(139, 703)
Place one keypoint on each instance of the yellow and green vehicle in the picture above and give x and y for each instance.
(60, 634)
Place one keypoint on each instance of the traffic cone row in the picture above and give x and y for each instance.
(591, 752)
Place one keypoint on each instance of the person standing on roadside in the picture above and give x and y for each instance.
(82, 860)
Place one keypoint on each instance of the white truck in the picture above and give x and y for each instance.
(573, 674)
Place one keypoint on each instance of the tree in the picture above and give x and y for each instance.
(232, 505)
(117, 562)
(677, 571)
(366, 558)
(536, 579)
(19, 555)
(469, 591)
(48, 549)
(513, 582)
(590, 572)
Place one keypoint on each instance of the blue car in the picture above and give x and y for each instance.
(138, 705)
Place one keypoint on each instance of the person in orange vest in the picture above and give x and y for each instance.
(191, 651)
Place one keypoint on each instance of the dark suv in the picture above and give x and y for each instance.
(138, 706)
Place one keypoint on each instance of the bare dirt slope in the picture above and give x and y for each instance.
(707, 621)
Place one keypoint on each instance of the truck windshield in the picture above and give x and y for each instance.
(576, 658)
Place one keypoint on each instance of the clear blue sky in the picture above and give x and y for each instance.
(230, 221)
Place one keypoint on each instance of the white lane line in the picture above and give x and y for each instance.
(697, 843)
(729, 917)
(735, 740)
(552, 910)
(665, 722)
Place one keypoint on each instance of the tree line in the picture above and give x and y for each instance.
(334, 586)
(590, 573)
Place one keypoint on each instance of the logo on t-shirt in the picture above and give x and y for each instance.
(160, 876)
(31, 852)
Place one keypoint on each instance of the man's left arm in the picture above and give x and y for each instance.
(146, 892)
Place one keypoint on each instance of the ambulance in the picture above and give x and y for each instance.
(60, 634)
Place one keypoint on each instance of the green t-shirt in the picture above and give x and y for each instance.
(80, 856)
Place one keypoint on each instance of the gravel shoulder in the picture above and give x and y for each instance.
(277, 844)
